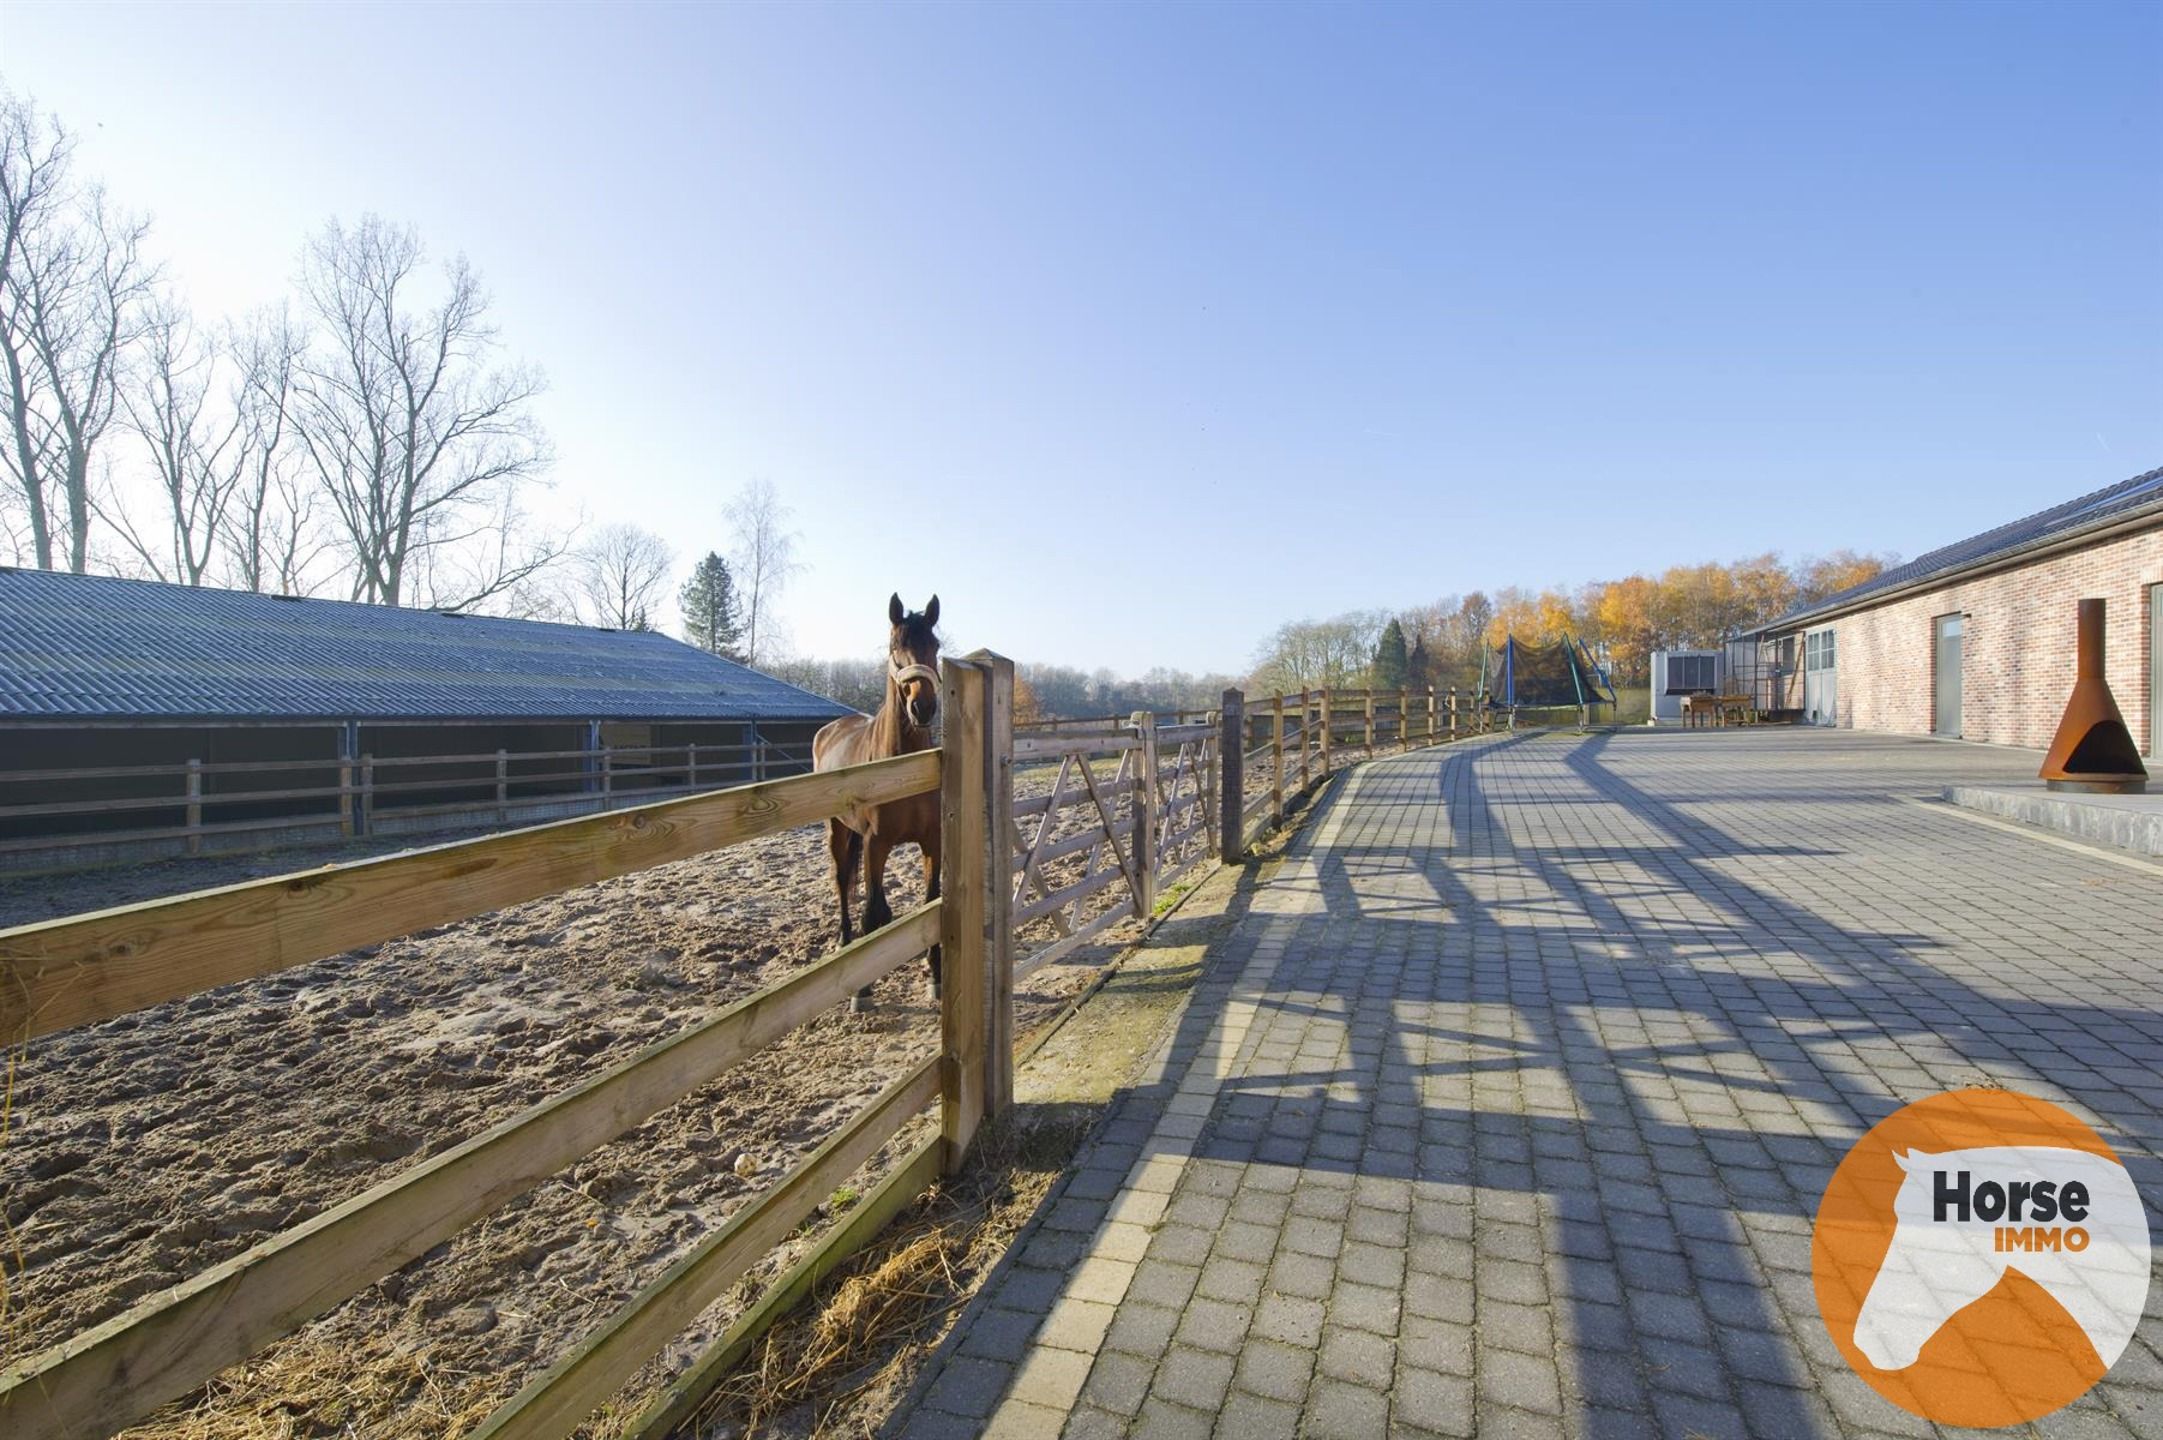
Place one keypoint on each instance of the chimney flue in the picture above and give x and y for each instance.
(2093, 750)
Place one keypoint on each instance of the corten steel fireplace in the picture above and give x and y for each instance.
(2093, 750)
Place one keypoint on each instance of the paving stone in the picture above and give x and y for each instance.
(1118, 1383)
(1436, 1403)
(924, 1423)
(1365, 1307)
(1214, 1325)
(1182, 1244)
(1253, 1417)
(1021, 1419)
(1160, 1417)
(1526, 1382)
(1358, 1356)
(969, 1386)
(1144, 1330)
(999, 1334)
(1158, 1282)
(1075, 1325)
(1308, 1276)
(1087, 1422)
(1275, 1370)
(1340, 1411)
(1291, 1319)
(1197, 1378)
(1523, 1328)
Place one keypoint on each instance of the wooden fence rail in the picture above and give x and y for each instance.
(358, 786)
(1132, 808)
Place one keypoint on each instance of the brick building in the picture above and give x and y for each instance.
(1975, 640)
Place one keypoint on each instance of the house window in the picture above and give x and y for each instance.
(1689, 673)
(1786, 662)
(1818, 650)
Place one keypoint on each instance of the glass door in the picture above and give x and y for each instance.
(1820, 694)
(1945, 711)
(2155, 671)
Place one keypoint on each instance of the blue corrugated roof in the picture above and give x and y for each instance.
(103, 648)
(2124, 500)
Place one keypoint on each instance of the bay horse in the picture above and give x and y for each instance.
(902, 725)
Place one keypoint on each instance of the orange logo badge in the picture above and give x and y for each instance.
(1981, 1258)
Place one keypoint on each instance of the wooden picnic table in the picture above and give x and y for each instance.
(1702, 710)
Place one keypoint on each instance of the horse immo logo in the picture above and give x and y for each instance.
(1981, 1258)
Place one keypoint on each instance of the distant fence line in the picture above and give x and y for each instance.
(368, 791)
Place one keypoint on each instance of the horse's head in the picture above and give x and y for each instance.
(1931, 1270)
(912, 660)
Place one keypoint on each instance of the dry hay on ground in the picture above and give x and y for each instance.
(843, 1360)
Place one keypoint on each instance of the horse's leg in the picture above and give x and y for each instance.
(844, 845)
(931, 892)
(876, 911)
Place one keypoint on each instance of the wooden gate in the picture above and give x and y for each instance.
(1081, 846)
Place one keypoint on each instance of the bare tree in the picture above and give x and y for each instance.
(420, 443)
(275, 536)
(619, 576)
(73, 284)
(192, 441)
(1312, 654)
(764, 561)
(495, 562)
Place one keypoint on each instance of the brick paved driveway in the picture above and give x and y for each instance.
(1504, 1108)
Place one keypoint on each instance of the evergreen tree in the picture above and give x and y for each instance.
(711, 618)
(1391, 664)
(1419, 668)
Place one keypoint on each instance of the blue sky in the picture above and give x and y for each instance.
(1135, 330)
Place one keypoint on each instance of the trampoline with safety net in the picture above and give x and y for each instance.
(1561, 675)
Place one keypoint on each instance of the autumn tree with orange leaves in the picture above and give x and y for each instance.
(1686, 607)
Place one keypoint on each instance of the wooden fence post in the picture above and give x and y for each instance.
(1306, 715)
(1276, 759)
(1146, 801)
(1328, 740)
(1404, 717)
(503, 787)
(967, 879)
(1453, 712)
(1208, 769)
(368, 795)
(1232, 777)
(195, 807)
(998, 900)
(608, 774)
(690, 760)
(1369, 693)
(348, 802)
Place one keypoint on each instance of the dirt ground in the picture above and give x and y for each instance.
(143, 1150)
(138, 1152)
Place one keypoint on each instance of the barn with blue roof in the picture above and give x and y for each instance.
(145, 712)
(1975, 640)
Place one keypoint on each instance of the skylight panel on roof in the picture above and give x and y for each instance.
(2149, 485)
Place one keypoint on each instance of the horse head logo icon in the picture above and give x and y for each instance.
(1988, 1232)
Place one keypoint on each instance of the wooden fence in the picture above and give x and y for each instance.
(186, 799)
(1130, 810)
